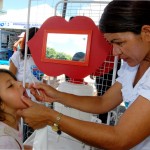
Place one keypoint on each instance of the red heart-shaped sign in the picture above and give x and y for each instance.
(98, 48)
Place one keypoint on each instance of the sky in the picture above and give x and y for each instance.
(78, 42)
(14, 4)
(20, 4)
(17, 11)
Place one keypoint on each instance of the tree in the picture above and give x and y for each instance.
(52, 53)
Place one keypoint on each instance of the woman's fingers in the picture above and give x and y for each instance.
(27, 101)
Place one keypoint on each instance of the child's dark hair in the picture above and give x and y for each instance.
(5, 71)
(32, 32)
(8, 72)
(77, 56)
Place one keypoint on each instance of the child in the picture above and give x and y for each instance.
(17, 68)
(11, 91)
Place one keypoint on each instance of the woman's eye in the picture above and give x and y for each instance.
(10, 86)
(119, 43)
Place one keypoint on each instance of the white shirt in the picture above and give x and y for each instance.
(77, 89)
(19, 64)
(10, 138)
(126, 76)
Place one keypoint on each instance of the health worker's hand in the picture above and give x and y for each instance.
(35, 115)
(43, 92)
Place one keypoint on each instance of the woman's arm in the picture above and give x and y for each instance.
(12, 67)
(17, 43)
(133, 127)
(91, 104)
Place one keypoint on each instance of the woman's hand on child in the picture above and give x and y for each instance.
(35, 114)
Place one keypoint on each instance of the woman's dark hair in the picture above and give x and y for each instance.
(2, 113)
(32, 32)
(125, 16)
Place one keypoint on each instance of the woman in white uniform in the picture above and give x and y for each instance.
(126, 25)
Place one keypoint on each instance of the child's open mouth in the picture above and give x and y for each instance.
(25, 93)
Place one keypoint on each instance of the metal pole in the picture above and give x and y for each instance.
(77, 1)
(64, 8)
(26, 47)
(25, 57)
(115, 70)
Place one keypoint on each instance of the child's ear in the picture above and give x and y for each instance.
(145, 32)
(2, 106)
